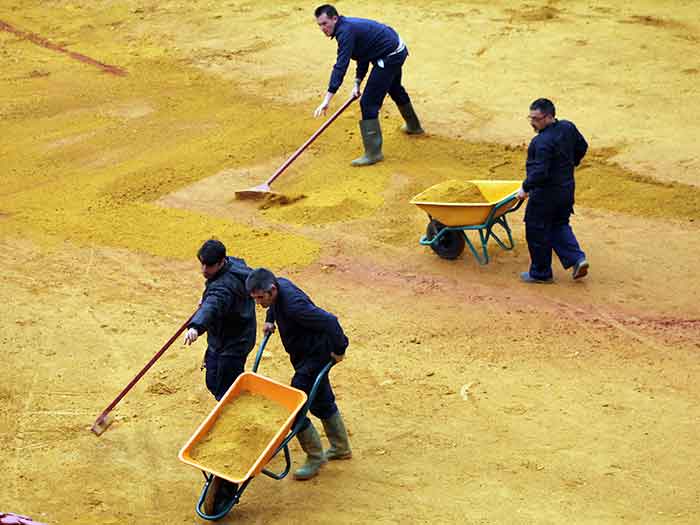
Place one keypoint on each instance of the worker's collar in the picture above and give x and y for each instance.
(341, 18)
(553, 123)
(221, 271)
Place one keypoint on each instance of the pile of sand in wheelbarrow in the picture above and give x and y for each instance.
(244, 428)
(452, 191)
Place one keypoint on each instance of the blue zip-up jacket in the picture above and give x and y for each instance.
(227, 312)
(307, 331)
(362, 40)
(551, 158)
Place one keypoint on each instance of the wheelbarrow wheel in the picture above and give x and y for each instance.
(210, 501)
(219, 495)
(451, 243)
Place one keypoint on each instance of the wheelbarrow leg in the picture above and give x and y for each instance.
(482, 260)
(504, 224)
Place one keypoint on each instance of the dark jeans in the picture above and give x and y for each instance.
(383, 80)
(323, 405)
(542, 238)
(222, 371)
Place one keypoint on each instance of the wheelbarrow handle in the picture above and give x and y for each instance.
(258, 356)
(317, 382)
(301, 417)
(514, 208)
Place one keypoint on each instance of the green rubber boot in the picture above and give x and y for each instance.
(310, 442)
(412, 126)
(372, 140)
(338, 437)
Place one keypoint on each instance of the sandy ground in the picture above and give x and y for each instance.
(470, 397)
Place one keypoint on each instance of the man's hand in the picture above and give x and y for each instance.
(356, 90)
(321, 109)
(269, 328)
(337, 357)
(191, 336)
(522, 194)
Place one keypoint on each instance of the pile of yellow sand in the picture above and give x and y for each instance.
(452, 191)
(240, 434)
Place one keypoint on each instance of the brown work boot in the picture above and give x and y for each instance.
(580, 269)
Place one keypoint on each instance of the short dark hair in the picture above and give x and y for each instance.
(260, 279)
(326, 9)
(211, 252)
(544, 105)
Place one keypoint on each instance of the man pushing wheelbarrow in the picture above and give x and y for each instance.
(312, 337)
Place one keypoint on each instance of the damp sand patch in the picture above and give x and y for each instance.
(244, 428)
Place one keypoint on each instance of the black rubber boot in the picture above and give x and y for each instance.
(412, 126)
(338, 438)
(310, 442)
(372, 140)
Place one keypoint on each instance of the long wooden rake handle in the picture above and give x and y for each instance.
(97, 427)
(310, 140)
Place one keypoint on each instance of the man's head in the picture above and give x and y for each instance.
(542, 113)
(262, 286)
(212, 255)
(326, 18)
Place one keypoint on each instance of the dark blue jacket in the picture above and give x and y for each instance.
(551, 158)
(307, 331)
(364, 41)
(227, 312)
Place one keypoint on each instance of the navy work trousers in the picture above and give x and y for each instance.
(305, 373)
(543, 237)
(222, 371)
(383, 80)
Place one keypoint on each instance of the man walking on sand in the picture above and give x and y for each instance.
(549, 187)
(312, 337)
(367, 41)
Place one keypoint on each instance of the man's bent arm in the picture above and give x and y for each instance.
(215, 302)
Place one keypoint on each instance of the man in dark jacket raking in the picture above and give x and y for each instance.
(549, 186)
(367, 41)
(227, 314)
(312, 337)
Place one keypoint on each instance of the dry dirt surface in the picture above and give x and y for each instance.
(470, 397)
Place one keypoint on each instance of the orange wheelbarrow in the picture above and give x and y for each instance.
(293, 401)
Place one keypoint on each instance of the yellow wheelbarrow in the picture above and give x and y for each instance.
(289, 401)
(449, 222)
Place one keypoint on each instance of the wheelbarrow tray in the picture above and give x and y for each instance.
(290, 398)
(501, 193)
